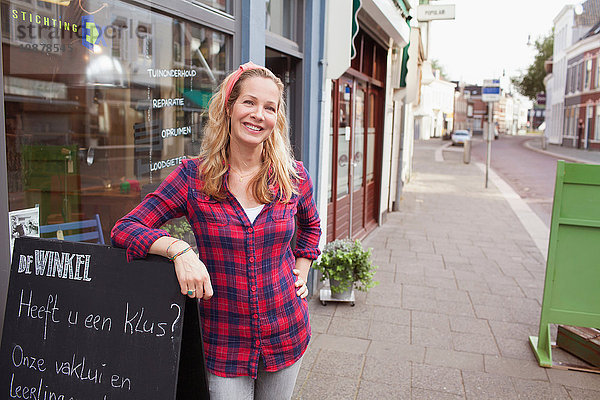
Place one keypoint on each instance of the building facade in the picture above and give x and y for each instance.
(355, 183)
(569, 27)
(100, 102)
(582, 97)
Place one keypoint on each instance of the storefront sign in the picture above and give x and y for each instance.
(126, 332)
(430, 12)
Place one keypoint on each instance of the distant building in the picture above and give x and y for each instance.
(461, 104)
(433, 113)
(476, 109)
(567, 73)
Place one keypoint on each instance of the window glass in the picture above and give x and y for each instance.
(597, 73)
(331, 149)
(596, 136)
(284, 67)
(588, 74)
(371, 133)
(281, 17)
(102, 103)
(222, 5)
(359, 139)
(343, 139)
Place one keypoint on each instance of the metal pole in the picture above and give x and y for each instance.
(489, 141)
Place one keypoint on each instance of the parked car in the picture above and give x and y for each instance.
(460, 137)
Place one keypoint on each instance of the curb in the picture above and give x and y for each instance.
(559, 156)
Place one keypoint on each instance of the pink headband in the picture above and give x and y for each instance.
(236, 75)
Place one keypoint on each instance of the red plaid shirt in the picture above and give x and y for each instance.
(254, 310)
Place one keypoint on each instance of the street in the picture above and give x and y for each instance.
(529, 173)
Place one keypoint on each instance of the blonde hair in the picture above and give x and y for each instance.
(278, 173)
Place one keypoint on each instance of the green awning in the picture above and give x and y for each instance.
(404, 67)
(356, 4)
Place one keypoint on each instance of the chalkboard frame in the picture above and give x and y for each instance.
(181, 375)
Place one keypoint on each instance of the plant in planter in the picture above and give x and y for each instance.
(346, 264)
(180, 229)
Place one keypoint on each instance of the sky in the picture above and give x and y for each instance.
(489, 38)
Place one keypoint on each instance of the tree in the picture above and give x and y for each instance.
(435, 64)
(532, 82)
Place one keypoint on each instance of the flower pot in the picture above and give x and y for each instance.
(345, 295)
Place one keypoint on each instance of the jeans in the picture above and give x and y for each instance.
(267, 386)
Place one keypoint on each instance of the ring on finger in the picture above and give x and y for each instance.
(190, 292)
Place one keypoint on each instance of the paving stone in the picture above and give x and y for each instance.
(422, 394)
(474, 343)
(431, 337)
(469, 325)
(328, 386)
(493, 313)
(473, 285)
(513, 330)
(515, 348)
(319, 323)
(384, 350)
(575, 379)
(443, 283)
(315, 307)
(420, 304)
(506, 290)
(513, 367)
(356, 328)
(539, 390)
(454, 309)
(486, 386)
(340, 343)
(387, 371)
(391, 315)
(583, 394)
(438, 271)
(431, 320)
(389, 332)
(339, 363)
(382, 391)
(454, 359)
(361, 309)
(440, 379)
(300, 381)
(387, 296)
(455, 296)
(310, 355)
(410, 278)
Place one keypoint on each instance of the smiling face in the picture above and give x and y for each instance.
(254, 113)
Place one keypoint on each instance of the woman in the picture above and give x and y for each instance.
(241, 197)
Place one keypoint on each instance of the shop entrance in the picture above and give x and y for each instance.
(355, 134)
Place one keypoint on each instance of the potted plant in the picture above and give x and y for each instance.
(347, 265)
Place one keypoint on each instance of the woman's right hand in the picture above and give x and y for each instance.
(193, 276)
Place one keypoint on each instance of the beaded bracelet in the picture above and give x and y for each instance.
(169, 246)
(180, 253)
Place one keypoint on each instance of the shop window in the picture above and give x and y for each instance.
(284, 67)
(94, 124)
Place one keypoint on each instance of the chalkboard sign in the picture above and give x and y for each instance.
(83, 323)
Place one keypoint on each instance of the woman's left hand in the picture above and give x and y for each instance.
(302, 291)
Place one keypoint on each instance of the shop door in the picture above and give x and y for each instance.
(357, 166)
(353, 195)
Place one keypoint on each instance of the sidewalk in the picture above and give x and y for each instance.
(460, 291)
(565, 153)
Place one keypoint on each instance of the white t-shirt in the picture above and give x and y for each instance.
(253, 212)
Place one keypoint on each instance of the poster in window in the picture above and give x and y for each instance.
(25, 222)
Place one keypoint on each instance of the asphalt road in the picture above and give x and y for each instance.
(531, 174)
